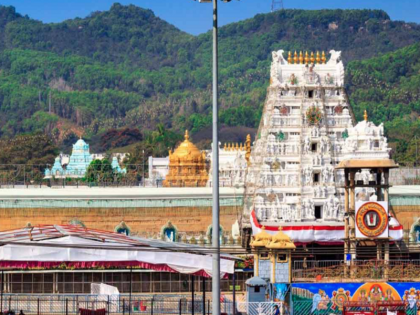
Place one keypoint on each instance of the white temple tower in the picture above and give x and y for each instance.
(305, 131)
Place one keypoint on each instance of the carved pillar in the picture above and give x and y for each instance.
(256, 264)
(273, 266)
(379, 182)
(386, 260)
(386, 182)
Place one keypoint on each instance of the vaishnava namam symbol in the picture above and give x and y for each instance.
(372, 219)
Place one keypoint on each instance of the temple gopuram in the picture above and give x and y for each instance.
(187, 166)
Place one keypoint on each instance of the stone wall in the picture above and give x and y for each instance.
(144, 211)
(404, 176)
(141, 221)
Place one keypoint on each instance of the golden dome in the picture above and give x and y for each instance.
(187, 166)
(281, 241)
(261, 239)
(186, 149)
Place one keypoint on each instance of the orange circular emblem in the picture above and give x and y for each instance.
(372, 219)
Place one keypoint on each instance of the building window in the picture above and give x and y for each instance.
(264, 256)
(281, 257)
(122, 228)
(314, 147)
(316, 177)
(256, 289)
(311, 94)
(318, 212)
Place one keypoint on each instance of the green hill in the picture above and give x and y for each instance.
(127, 68)
(389, 88)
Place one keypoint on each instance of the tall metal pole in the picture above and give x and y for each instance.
(215, 175)
(2, 286)
(144, 183)
(131, 290)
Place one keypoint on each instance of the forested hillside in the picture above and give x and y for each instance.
(127, 68)
(389, 88)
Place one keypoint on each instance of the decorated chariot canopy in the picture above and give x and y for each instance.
(75, 247)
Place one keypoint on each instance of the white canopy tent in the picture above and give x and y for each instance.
(70, 246)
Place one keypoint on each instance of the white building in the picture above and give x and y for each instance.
(158, 169)
(232, 165)
(305, 131)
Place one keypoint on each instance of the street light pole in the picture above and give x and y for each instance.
(144, 183)
(215, 175)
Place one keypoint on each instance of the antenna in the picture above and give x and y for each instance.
(277, 5)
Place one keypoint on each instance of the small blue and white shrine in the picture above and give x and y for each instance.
(79, 162)
(116, 166)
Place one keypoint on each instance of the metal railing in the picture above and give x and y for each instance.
(328, 306)
(123, 304)
(35, 176)
(401, 270)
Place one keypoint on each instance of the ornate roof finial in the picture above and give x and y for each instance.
(365, 116)
(295, 58)
(318, 58)
(301, 57)
(289, 58)
(312, 57)
(187, 137)
(323, 59)
(306, 58)
(248, 148)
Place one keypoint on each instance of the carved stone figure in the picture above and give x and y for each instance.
(323, 144)
(303, 209)
(325, 175)
(308, 176)
(311, 208)
(307, 145)
(337, 208)
(365, 177)
(384, 144)
(335, 57)
(320, 192)
(331, 206)
(274, 214)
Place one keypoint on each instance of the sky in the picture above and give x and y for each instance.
(196, 18)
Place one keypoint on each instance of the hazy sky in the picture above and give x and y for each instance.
(195, 18)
